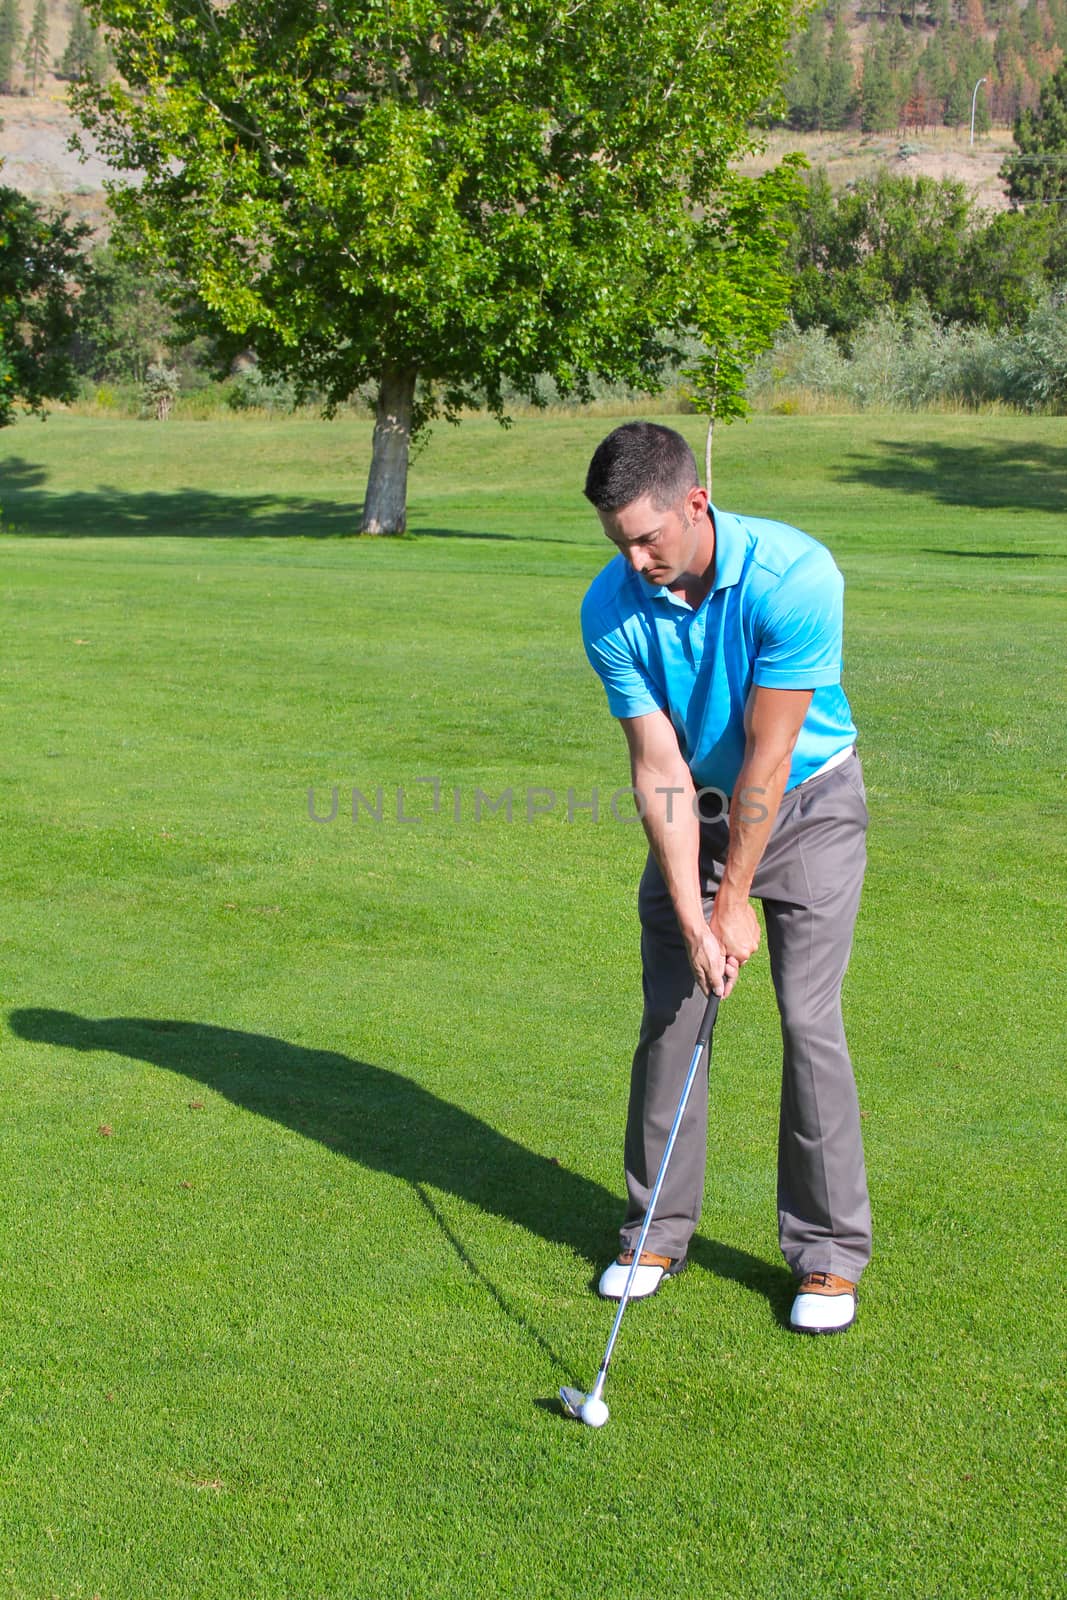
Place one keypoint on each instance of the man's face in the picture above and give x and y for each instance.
(662, 546)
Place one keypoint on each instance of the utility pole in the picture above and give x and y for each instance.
(974, 102)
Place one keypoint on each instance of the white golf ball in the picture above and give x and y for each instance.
(595, 1413)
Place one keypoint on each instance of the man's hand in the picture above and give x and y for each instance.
(734, 925)
(713, 968)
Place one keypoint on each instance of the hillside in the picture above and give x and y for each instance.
(35, 148)
(919, 64)
(887, 83)
(37, 159)
(934, 153)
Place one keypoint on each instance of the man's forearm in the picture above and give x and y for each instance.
(756, 800)
(666, 806)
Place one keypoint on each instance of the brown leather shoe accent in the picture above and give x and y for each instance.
(647, 1260)
(825, 1283)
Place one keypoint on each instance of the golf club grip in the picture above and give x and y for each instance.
(711, 1011)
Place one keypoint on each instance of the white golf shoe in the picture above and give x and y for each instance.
(825, 1303)
(651, 1271)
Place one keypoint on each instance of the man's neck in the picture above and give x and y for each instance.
(694, 587)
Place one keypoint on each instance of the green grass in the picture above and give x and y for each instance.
(294, 1326)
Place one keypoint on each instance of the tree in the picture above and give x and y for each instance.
(35, 55)
(41, 269)
(885, 241)
(123, 325)
(878, 91)
(938, 69)
(1030, 21)
(958, 103)
(897, 46)
(1038, 174)
(85, 52)
(742, 301)
(10, 34)
(1007, 266)
(433, 196)
(806, 88)
(893, 241)
(160, 389)
(839, 98)
(974, 19)
(1059, 23)
(920, 109)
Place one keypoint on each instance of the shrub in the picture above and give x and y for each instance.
(1037, 363)
(252, 391)
(160, 390)
(907, 360)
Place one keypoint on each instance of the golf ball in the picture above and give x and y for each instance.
(595, 1413)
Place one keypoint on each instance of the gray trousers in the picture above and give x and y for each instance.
(809, 881)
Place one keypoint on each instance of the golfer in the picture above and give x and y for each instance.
(718, 640)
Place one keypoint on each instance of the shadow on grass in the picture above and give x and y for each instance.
(996, 555)
(388, 1123)
(108, 512)
(998, 474)
(114, 513)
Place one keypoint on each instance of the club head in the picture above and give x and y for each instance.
(587, 1408)
(573, 1401)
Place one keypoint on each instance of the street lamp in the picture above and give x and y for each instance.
(974, 102)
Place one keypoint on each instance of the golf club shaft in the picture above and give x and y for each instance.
(706, 1025)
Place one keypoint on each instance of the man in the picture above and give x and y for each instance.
(718, 641)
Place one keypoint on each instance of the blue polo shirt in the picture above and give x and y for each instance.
(772, 616)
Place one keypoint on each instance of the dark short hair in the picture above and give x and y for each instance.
(637, 459)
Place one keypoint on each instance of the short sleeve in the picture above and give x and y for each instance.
(630, 689)
(798, 632)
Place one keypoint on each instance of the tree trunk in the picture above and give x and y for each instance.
(385, 507)
(709, 438)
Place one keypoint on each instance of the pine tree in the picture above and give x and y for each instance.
(896, 43)
(807, 84)
(10, 30)
(958, 105)
(839, 95)
(35, 55)
(1008, 44)
(922, 108)
(878, 93)
(938, 71)
(75, 57)
(974, 19)
(85, 52)
(1039, 172)
(1004, 90)
(1058, 13)
(1031, 23)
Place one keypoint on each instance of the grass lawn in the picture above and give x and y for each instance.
(311, 1133)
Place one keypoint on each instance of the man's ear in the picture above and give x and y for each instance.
(696, 503)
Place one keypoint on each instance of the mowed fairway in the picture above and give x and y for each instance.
(311, 1130)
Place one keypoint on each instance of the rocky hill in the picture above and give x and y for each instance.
(1015, 43)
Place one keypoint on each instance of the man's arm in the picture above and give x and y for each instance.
(773, 720)
(665, 787)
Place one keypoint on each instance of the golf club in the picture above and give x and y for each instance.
(591, 1408)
